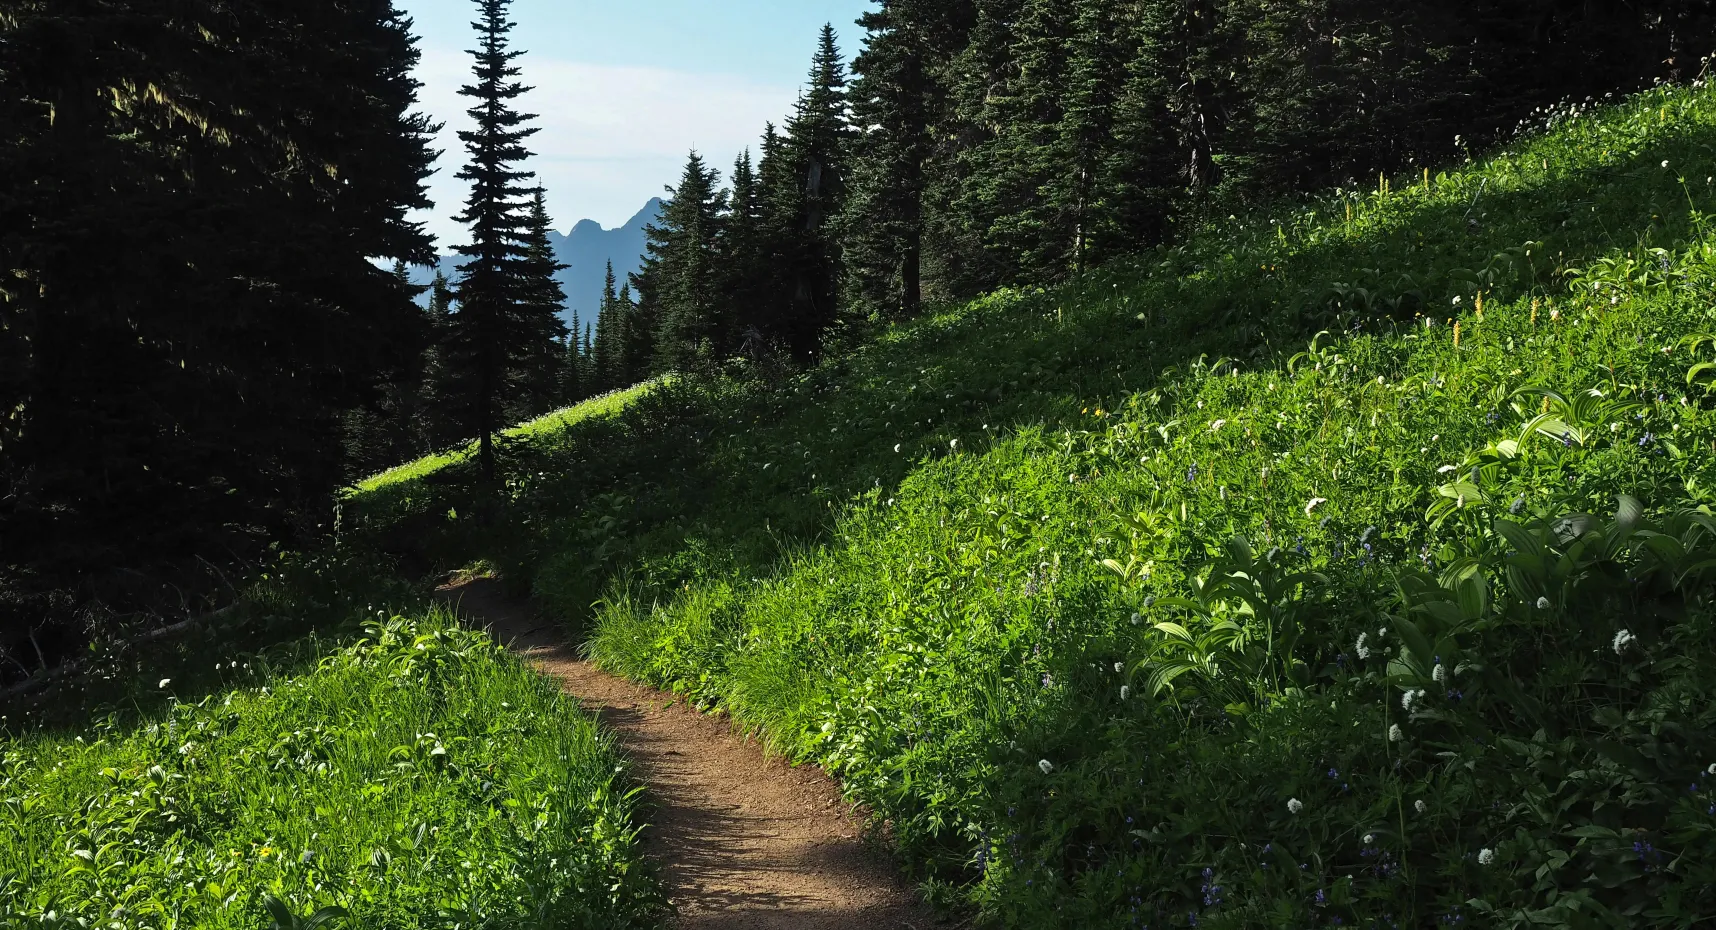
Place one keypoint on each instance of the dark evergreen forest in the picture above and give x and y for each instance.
(198, 347)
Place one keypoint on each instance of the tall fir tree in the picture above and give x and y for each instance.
(534, 360)
(745, 262)
(882, 228)
(816, 148)
(680, 281)
(494, 327)
(637, 356)
(573, 379)
(177, 404)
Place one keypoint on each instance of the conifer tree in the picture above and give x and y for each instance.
(572, 374)
(189, 208)
(533, 364)
(637, 357)
(680, 283)
(815, 148)
(610, 337)
(491, 328)
(883, 225)
(743, 257)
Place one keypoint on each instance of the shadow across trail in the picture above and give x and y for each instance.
(742, 840)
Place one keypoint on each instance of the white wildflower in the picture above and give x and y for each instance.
(1623, 639)
(1314, 504)
(953, 444)
(1711, 770)
(1665, 163)
(1294, 805)
(1125, 692)
(1543, 603)
(1119, 667)
(1420, 806)
(896, 447)
(1394, 734)
(1046, 766)
(164, 683)
(1360, 648)
(1137, 619)
(1217, 425)
(1369, 839)
(1439, 673)
(1486, 856)
(1409, 698)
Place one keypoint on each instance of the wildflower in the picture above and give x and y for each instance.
(1394, 734)
(1409, 698)
(896, 447)
(1543, 603)
(1623, 639)
(1046, 766)
(1665, 163)
(1486, 856)
(1315, 502)
(1294, 805)
(1137, 619)
(1217, 425)
(1125, 692)
(1439, 673)
(953, 444)
(1711, 770)
(164, 683)
(1369, 839)
(1420, 806)
(1362, 650)
(1119, 667)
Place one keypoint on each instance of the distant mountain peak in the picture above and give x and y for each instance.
(586, 251)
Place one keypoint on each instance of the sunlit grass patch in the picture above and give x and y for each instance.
(541, 427)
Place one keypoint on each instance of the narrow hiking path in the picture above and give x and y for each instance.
(743, 841)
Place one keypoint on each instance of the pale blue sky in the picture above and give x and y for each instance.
(626, 89)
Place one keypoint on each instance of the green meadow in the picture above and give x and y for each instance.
(1346, 564)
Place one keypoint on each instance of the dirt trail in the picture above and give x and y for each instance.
(744, 842)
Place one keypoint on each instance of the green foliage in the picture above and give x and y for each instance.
(1080, 588)
(192, 196)
(418, 777)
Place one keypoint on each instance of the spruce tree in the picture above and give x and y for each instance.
(572, 375)
(679, 284)
(190, 205)
(490, 329)
(883, 224)
(534, 360)
(638, 354)
(816, 148)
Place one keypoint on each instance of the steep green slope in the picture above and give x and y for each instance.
(1244, 584)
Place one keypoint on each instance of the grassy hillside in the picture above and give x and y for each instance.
(415, 778)
(1349, 564)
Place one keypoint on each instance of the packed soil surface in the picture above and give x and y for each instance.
(743, 841)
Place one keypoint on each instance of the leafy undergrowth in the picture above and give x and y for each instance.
(418, 777)
(1294, 576)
